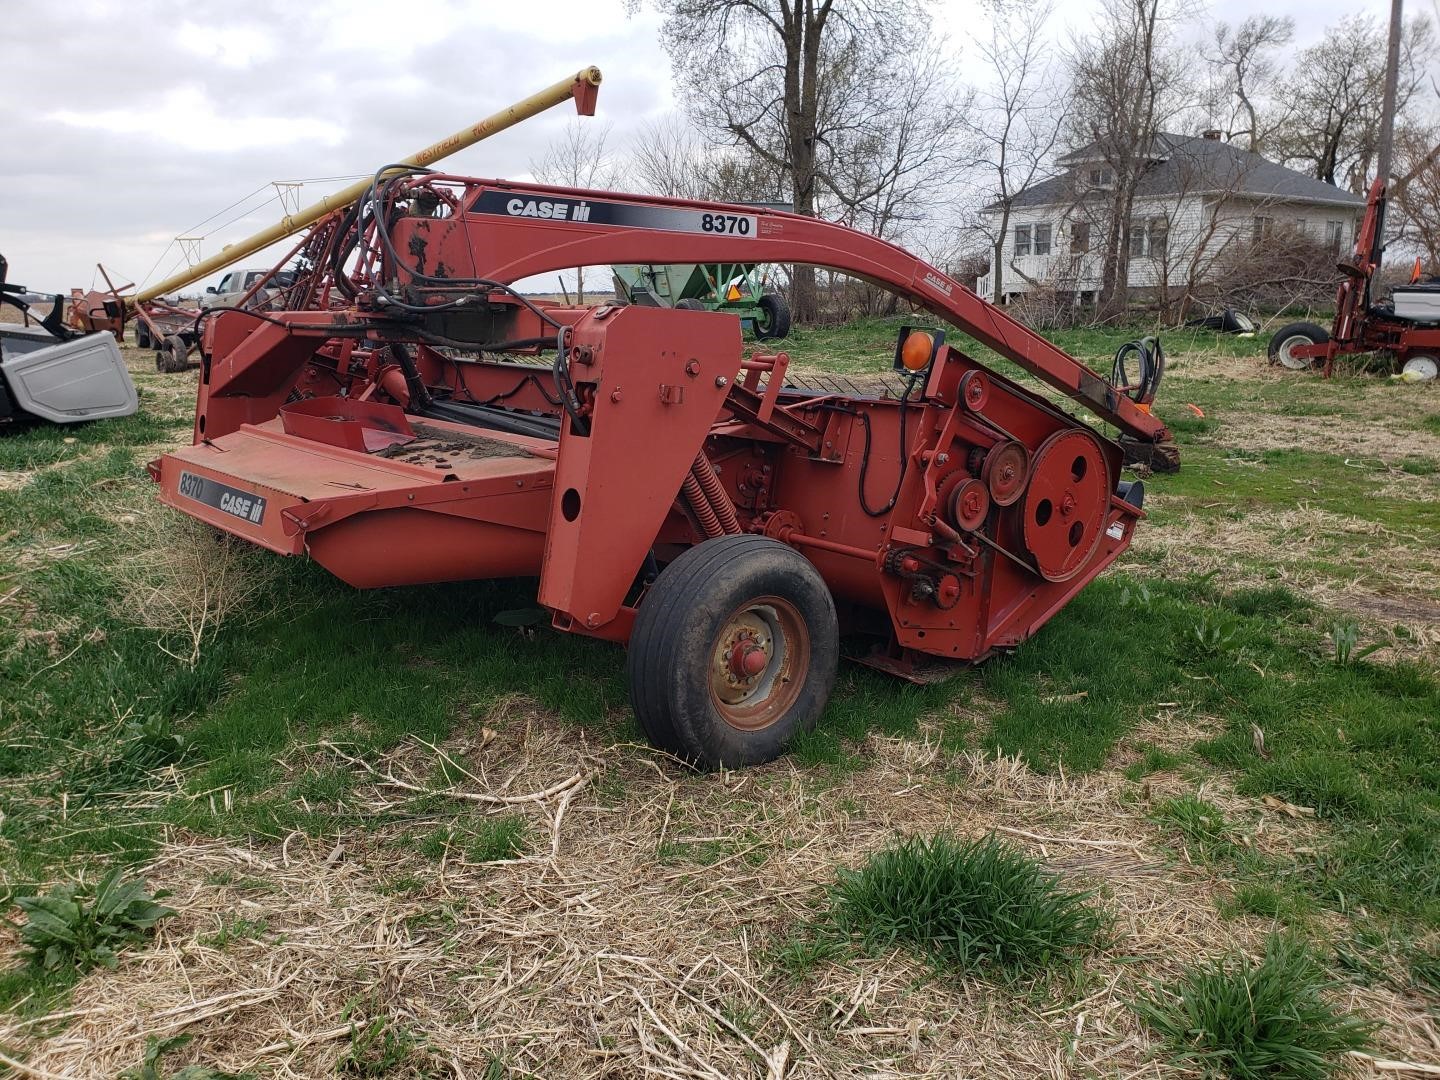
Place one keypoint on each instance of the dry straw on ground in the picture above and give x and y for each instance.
(604, 952)
(179, 578)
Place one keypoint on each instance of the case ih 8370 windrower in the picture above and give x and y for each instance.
(412, 418)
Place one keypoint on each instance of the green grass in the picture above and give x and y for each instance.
(1248, 1019)
(866, 346)
(1199, 821)
(978, 906)
(489, 840)
(1277, 903)
(384, 1046)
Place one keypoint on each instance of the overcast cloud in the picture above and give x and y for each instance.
(129, 123)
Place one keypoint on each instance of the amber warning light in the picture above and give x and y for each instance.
(915, 349)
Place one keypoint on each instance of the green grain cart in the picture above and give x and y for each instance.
(733, 287)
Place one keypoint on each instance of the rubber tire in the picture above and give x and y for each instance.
(777, 318)
(173, 355)
(689, 305)
(668, 663)
(142, 336)
(1318, 335)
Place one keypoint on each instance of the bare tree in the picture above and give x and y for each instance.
(1414, 192)
(672, 157)
(1123, 82)
(578, 158)
(1333, 129)
(1246, 69)
(809, 88)
(1018, 115)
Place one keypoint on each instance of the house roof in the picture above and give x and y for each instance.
(1184, 164)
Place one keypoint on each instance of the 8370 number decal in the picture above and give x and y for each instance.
(730, 224)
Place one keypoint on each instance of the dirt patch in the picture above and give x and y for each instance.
(1381, 440)
(641, 933)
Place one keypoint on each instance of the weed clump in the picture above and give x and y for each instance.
(1201, 821)
(505, 837)
(963, 906)
(1237, 1017)
(78, 927)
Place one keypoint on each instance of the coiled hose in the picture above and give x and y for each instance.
(1149, 357)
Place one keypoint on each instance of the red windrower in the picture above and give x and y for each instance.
(412, 419)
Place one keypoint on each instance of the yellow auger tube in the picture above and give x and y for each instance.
(580, 87)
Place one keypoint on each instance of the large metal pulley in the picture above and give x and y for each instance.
(1066, 504)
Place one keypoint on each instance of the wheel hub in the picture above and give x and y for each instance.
(748, 658)
(758, 663)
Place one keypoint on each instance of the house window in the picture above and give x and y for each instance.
(1334, 236)
(1263, 227)
(1101, 177)
(1079, 237)
(1150, 237)
(1159, 237)
(1299, 226)
(1022, 239)
(1042, 239)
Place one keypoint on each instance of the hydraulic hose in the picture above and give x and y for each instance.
(1149, 358)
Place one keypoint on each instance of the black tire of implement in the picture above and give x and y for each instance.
(673, 642)
(689, 305)
(776, 323)
(142, 336)
(1318, 335)
(173, 355)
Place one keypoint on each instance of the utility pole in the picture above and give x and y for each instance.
(1392, 78)
(1387, 123)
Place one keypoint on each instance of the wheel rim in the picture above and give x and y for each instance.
(1286, 353)
(762, 319)
(1423, 368)
(758, 663)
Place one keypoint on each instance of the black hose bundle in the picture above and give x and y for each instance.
(1149, 358)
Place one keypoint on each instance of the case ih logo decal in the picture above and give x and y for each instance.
(233, 501)
(937, 283)
(671, 219)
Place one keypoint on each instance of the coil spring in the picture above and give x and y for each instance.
(715, 493)
(700, 507)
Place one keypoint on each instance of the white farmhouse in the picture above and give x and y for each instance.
(1197, 198)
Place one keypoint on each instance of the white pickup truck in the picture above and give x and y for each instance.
(235, 284)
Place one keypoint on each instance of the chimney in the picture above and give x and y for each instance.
(1213, 134)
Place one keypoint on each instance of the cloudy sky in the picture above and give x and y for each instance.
(128, 124)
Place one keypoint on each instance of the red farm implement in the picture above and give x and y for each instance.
(1406, 329)
(419, 420)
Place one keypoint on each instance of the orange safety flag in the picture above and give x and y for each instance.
(1417, 272)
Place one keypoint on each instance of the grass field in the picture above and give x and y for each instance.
(401, 839)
